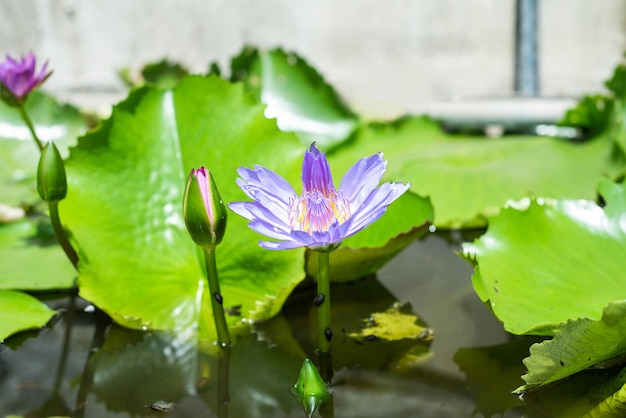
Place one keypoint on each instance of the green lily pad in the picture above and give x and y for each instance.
(124, 205)
(469, 178)
(367, 251)
(296, 95)
(18, 153)
(21, 312)
(549, 261)
(24, 242)
(577, 345)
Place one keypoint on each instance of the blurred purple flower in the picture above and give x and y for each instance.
(322, 217)
(20, 77)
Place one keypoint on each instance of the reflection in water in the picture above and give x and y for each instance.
(102, 323)
(113, 371)
(223, 385)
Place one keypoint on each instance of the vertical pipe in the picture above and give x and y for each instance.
(526, 68)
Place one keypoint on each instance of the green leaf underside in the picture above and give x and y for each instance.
(553, 261)
(577, 345)
(20, 312)
(31, 259)
(469, 178)
(19, 154)
(296, 95)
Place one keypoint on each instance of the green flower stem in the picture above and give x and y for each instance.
(326, 366)
(60, 233)
(31, 128)
(216, 297)
(322, 302)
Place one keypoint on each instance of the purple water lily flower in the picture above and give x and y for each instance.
(322, 217)
(20, 77)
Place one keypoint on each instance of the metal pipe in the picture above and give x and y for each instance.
(526, 51)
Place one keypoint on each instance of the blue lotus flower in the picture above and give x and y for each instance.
(322, 216)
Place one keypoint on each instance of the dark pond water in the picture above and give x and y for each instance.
(76, 368)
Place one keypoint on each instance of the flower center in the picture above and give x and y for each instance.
(315, 211)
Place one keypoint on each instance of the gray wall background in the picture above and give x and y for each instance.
(384, 57)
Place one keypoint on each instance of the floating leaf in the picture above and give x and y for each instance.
(552, 260)
(31, 259)
(577, 345)
(124, 205)
(469, 178)
(296, 95)
(21, 312)
(394, 324)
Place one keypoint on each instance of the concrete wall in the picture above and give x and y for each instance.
(385, 57)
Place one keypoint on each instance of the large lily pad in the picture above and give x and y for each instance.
(296, 95)
(552, 260)
(124, 205)
(21, 312)
(469, 178)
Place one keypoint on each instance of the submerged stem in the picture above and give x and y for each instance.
(69, 323)
(60, 233)
(216, 297)
(323, 302)
(86, 381)
(31, 128)
(223, 378)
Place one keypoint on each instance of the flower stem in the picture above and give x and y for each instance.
(322, 302)
(60, 233)
(31, 128)
(216, 297)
